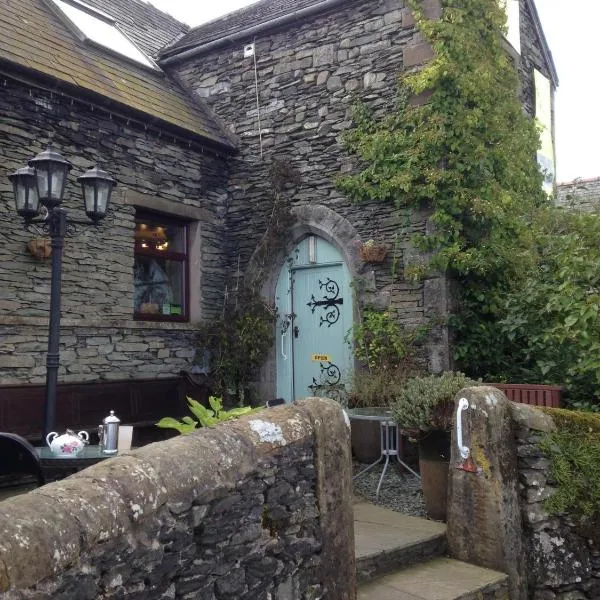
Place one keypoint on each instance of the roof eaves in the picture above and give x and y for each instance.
(170, 55)
(547, 53)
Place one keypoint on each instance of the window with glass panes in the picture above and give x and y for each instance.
(161, 268)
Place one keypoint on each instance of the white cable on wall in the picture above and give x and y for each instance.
(250, 50)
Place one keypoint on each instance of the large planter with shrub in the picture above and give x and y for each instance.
(424, 410)
(434, 466)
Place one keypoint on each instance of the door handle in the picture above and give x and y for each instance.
(283, 354)
(296, 331)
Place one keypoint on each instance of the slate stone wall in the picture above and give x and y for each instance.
(583, 195)
(97, 288)
(95, 352)
(306, 76)
(259, 508)
(563, 563)
(496, 514)
(309, 74)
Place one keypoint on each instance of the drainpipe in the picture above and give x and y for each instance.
(250, 31)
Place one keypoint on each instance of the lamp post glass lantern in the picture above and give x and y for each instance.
(27, 201)
(51, 170)
(43, 182)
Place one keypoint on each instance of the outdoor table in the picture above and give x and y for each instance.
(58, 467)
(389, 438)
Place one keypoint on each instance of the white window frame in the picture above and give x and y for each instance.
(71, 12)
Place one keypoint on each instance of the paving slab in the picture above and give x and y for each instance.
(438, 579)
(379, 529)
(386, 540)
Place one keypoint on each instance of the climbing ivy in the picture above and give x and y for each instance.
(467, 151)
(239, 342)
(458, 142)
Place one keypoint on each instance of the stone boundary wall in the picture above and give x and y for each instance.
(255, 508)
(496, 515)
(581, 194)
(561, 564)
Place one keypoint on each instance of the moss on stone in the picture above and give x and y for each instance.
(575, 421)
(574, 452)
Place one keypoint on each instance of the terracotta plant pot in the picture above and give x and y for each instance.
(39, 248)
(373, 253)
(366, 440)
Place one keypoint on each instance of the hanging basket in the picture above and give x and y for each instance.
(39, 248)
(373, 253)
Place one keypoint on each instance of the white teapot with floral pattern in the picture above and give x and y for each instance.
(67, 444)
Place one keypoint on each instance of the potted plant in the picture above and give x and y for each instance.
(387, 353)
(373, 252)
(424, 410)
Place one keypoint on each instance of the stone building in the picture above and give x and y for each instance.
(193, 124)
(581, 194)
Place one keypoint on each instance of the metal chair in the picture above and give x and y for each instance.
(18, 457)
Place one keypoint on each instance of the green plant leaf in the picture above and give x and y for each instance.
(216, 404)
(171, 423)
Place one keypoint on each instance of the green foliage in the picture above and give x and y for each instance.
(239, 343)
(467, 152)
(574, 451)
(427, 403)
(388, 353)
(206, 417)
(545, 324)
(529, 293)
(379, 341)
(376, 388)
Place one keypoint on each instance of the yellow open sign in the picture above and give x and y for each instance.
(321, 358)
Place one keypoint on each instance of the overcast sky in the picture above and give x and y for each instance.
(571, 27)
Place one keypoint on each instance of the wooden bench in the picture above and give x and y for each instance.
(139, 402)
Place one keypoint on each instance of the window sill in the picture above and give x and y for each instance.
(158, 318)
(100, 323)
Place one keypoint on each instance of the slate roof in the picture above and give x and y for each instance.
(34, 41)
(254, 14)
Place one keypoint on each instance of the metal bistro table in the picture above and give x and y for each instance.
(58, 467)
(389, 438)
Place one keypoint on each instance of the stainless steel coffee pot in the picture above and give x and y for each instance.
(109, 433)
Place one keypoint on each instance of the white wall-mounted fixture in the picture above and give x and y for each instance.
(249, 50)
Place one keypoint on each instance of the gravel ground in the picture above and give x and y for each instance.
(400, 490)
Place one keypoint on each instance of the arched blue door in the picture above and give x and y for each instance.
(314, 302)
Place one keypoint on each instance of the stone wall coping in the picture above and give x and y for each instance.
(47, 530)
(101, 323)
(530, 417)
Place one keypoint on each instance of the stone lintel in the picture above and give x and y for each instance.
(176, 209)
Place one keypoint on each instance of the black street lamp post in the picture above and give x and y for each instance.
(43, 183)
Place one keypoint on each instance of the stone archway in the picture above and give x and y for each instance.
(325, 223)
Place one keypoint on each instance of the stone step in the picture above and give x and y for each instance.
(438, 579)
(386, 541)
